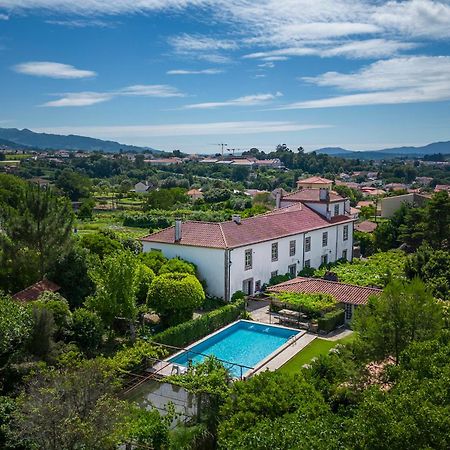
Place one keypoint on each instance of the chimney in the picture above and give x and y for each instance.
(278, 199)
(324, 195)
(177, 230)
(236, 218)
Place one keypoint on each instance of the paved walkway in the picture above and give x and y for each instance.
(259, 310)
(287, 353)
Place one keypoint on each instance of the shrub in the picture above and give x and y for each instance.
(238, 295)
(187, 332)
(177, 265)
(280, 279)
(313, 305)
(59, 307)
(331, 320)
(175, 296)
(87, 329)
(144, 277)
(153, 260)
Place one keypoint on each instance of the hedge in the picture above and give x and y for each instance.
(188, 332)
(331, 320)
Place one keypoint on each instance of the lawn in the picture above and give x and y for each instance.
(317, 347)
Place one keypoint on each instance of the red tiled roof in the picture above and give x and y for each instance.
(344, 293)
(310, 195)
(314, 180)
(34, 291)
(442, 187)
(366, 227)
(276, 224)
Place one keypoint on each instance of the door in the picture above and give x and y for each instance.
(292, 270)
(247, 286)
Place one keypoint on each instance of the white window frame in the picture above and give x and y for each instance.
(336, 209)
(344, 254)
(345, 233)
(294, 266)
(292, 248)
(307, 243)
(274, 250)
(324, 259)
(307, 263)
(324, 238)
(248, 254)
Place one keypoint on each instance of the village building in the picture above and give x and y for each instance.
(142, 187)
(243, 254)
(194, 194)
(315, 183)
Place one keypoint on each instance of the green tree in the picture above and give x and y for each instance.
(438, 220)
(86, 209)
(15, 327)
(144, 277)
(89, 417)
(87, 330)
(177, 265)
(403, 313)
(74, 185)
(175, 296)
(101, 244)
(115, 289)
(41, 339)
(153, 260)
(36, 233)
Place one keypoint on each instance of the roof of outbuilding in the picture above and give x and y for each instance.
(273, 225)
(344, 293)
(35, 290)
(366, 227)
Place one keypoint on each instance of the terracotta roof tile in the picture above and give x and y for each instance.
(344, 293)
(366, 227)
(34, 291)
(313, 180)
(310, 195)
(276, 224)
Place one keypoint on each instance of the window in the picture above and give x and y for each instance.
(292, 269)
(336, 209)
(348, 311)
(325, 239)
(344, 254)
(308, 263)
(257, 286)
(324, 259)
(345, 232)
(275, 251)
(308, 244)
(248, 259)
(274, 273)
(291, 248)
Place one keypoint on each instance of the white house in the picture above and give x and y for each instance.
(245, 254)
(142, 186)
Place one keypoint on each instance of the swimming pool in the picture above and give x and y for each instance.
(244, 343)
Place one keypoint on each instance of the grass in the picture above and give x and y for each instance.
(316, 348)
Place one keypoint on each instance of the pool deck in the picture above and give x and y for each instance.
(284, 356)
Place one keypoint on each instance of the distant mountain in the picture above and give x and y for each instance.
(29, 138)
(9, 145)
(386, 153)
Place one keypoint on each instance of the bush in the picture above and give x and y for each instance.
(59, 307)
(153, 260)
(175, 296)
(87, 329)
(331, 320)
(280, 279)
(144, 277)
(188, 332)
(177, 265)
(238, 295)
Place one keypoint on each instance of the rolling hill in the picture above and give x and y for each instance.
(29, 138)
(386, 153)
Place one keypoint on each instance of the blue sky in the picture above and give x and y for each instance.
(189, 74)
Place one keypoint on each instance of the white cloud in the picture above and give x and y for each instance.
(194, 72)
(79, 99)
(92, 98)
(185, 129)
(398, 80)
(247, 100)
(4, 17)
(151, 90)
(52, 70)
(82, 23)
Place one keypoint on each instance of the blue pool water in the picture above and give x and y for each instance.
(244, 343)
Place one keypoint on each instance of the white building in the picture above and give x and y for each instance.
(245, 254)
(142, 186)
